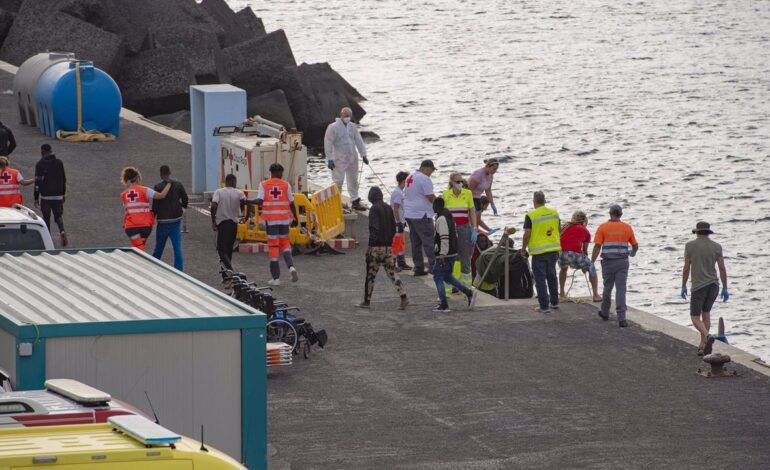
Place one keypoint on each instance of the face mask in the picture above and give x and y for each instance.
(346, 120)
(457, 185)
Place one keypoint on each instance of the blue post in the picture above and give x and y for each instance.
(211, 106)
(254, 398)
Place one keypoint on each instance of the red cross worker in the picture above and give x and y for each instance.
(137, 204)
(276, 210)
(10, 184)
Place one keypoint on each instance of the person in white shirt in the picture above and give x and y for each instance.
(418, 210)
(341, 141)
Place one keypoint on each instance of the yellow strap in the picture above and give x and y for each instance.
(81, 135)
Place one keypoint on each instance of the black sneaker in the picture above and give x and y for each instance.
(420, 273)
(623, 324)
(358, 205)
(602, 316)
(442, 308)
(709, 345)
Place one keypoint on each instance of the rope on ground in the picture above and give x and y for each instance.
(81, 135)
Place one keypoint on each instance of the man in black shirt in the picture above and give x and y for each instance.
(7, 142)
(50, 188)
(168, 213)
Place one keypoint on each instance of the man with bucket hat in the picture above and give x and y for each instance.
(700, 256)
(613, 239)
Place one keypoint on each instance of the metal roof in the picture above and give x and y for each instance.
(110, 285)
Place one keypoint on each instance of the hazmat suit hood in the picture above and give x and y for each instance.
(375, 194)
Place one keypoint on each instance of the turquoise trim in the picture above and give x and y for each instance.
(9, 326)
(254, 399)
(130, 327)
(30, 370)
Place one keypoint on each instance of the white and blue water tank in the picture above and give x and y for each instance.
(57, 105)
(46, 90)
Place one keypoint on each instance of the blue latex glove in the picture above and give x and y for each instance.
(330, 164)
(592, 269)
(492, 230)
(366, 160)
(725, 295)
(683, 294)
(474, 236)
(494, 208)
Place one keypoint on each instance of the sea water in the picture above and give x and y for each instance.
(662, 107)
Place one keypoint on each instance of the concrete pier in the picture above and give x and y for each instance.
(496, 388)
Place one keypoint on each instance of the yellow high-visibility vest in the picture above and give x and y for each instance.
(545, 231)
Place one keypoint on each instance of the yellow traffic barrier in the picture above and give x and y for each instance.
(328, 207)
(252, 231)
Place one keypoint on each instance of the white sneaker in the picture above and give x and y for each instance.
(274, 282)
(294, 274)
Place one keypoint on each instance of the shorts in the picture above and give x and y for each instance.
(702, 300)
(477, 204)
(573, 260)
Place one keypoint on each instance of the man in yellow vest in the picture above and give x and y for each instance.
(541, 241)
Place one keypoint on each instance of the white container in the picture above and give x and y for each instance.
(249, 157)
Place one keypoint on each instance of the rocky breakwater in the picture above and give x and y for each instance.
(156, 49)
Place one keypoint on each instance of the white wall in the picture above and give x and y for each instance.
(8, 354)
(192, 378)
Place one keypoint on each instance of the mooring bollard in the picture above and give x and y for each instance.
(717, 362)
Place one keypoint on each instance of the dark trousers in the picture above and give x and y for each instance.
(546, 282)
(614, 274)
(442, 275)
(421, 233)
(57, 207)
(226, 231)
(172, 231)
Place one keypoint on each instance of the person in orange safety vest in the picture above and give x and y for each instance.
(137, 202)
(276, 208)
(10, 184)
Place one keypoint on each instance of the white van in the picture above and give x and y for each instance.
(23, 230)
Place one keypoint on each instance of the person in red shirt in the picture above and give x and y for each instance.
(575, 238)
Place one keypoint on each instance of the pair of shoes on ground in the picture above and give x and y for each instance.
(547, 309)
(294, 277)
(708, 348)
(401, 306)
(471, 296)
(357, 205)
(621, 323)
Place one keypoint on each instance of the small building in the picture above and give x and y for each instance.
(126, 323)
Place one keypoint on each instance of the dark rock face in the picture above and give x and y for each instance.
(235, 29)
(201, 48)
(254, 64)
(179, 120)
(272, 106)
(11, 5)
(6, 21)
(252, 22)
(157, 81)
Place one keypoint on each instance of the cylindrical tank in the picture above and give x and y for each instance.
(57, 99)
(25, 82)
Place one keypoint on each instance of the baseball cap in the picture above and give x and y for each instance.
(427, 164)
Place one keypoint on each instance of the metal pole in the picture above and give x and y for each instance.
(506, 263)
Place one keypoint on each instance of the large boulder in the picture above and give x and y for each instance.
(6, 21)
(236, 28)
(11, 5)
(254, 64)
(252, 22)
(272, 106)
(157, 81)
(38, 29)
(201, 48)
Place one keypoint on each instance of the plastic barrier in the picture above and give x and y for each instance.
(328, 206)
(251, 231)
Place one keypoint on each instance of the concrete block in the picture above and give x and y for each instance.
(254, 64)
(201, 49)
(252, 22)
(157, 81)
(236, 29)
(6, 21)
(38, 29)
(272, 106)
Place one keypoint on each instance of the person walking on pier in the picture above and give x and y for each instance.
(480, 184)
(275, 199)
(341, 141)
(542, 242)
(418, 210)
(137, 202)
(445, 249)
(225, 214)
(397, 205)
(459, 201)
(50, 189)
(700, 256)
(382, 228)
(7, 141)
(168, 213)
(10, 184)
(613, 239)
(574, 253)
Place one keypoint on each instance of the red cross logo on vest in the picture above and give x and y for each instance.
(276, 192)
(132, 195)
(6, 177)
(410, 180)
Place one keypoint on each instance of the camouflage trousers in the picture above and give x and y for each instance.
(377, 256)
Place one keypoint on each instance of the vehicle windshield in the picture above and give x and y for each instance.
(12, 239)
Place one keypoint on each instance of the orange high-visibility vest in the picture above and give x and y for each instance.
(138, 207)
(9, 188)
(276, 204)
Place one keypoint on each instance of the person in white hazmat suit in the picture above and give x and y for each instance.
(341, 141)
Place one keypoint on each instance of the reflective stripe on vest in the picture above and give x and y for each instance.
(615, 248)
(138, 207)
(544, 237)
(276, 204)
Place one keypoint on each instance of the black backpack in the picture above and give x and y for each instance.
(520, 283)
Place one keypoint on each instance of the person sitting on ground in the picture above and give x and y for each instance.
(137, 202)
(445, 246)
(397, 205)
(382, 228)
(575, 238)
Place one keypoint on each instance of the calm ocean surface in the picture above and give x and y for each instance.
(663, 107)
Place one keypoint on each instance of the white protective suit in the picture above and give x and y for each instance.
(340, 144)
